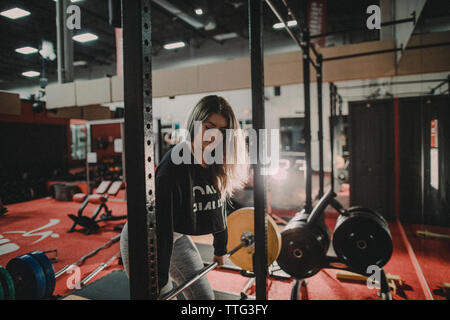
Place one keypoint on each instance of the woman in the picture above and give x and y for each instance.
(191, 196)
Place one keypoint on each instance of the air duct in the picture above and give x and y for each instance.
(194, 22)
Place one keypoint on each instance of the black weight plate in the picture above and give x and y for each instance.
(28, 276)
(303, 250)
(378, 216)
(362, 239)
(6, 281)
(48, 270)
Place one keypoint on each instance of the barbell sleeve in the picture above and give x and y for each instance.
(246, 287)
(102, 266)
(321, 206)
(174, 292)
(62, 270)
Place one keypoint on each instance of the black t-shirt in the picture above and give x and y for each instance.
(187, 202)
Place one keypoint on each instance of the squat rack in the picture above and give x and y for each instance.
(139, 144)
(139, 140)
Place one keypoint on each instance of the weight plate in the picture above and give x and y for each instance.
(48, 270)
(28, 276)
(7, 283)
(362, 239)
(303, 250)
(241, 221)
(377, 215)
(2, 294)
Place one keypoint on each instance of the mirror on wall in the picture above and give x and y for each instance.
(398, 146)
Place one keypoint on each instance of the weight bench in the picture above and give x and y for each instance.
(100, 198)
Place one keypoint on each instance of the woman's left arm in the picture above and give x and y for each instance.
(220, 246)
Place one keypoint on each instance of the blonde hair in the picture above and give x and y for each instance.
(228, 176)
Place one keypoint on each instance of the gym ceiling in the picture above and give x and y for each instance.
(201, 27)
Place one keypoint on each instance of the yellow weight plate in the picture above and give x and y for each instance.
(242, 220)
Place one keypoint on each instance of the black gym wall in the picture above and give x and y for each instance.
(411, 126)
(372, 142)
(31, 152)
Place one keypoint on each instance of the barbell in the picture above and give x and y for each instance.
(247, 239)
(301, 247)
(240, 246)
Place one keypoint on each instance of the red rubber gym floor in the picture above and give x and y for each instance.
(42, 224)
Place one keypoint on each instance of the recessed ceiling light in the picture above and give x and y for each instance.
(280, 25)
(198, 12)
(73, 1)
(85, 37)
(225, 36)
(174, 45)
(79, 63)
(15, 13)
(31, 74)
(26, 50)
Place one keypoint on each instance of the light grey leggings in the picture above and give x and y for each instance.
(185, 263)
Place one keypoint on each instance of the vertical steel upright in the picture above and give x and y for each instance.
(124, 171)
(331, 126)
(87, 150)
(139, 145)
(160, 140)
(258, 120)
(320, 115)
(307, 130)
(64, 43)
(448, 82)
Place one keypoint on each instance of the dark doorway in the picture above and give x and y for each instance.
(372, 155)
